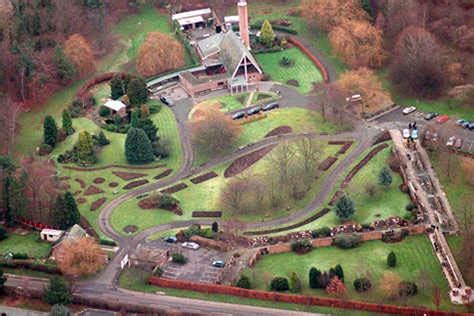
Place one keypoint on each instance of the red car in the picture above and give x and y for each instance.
(442, 119)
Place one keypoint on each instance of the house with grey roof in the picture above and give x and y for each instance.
(228, 64)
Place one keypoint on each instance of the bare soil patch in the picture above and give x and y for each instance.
(150, 203)
(165, 173)
(97, 204)
(81, 182)
(113, 184)
(207, 214)
(135, 184)
(175, 188)
(98, 180)
(128, 175)
(93, 190)
(204, 177)
(244, 162)
(327, 163)
(81, 200)
(279, 131)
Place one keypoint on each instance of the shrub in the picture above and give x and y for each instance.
(391, 259)
(104, 111)
(347, 241)
(321, 232)
(279, 284)
(138, 148)
(192, 230)
(344, 208)
(100, 139)
(45, 149)
(215, 227)
(295, 283)
(339, 272)
(243, 282)
(301, 246)
(385, 178)
(406, 288)
(107, 242)
(57, 292)
(158, 272)
(20, 256)
(314, 275)
(3, 233)
(179, 258)
(59, 310)
(409, 216)
(362, 284)
(410, 207)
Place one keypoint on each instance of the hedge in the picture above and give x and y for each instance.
(114, 166)
(30, 265)
(313, 58)
(207, 214)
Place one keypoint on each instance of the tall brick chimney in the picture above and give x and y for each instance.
(244, 22)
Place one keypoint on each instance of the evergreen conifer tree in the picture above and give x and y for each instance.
(50, 131)
(138, 149)
(67, 122)
(344, 208)
(266, 34)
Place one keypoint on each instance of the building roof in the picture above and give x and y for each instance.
(76, 232)
(211, 45)
(190, 14)
(232, 19)
(53, 232)
(191, 20)
(115, 105)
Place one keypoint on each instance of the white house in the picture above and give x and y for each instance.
(51, 235)
(117, 107)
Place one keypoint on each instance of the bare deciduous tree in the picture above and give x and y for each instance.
(81, 257)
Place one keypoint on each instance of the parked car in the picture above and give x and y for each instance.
(238, 115)
(450, 141)
(406, 133)
(270, 106)
(461, 122)
(166, 100)
(442, 119)
(458, 143)
(431, 116)
(254, 110)
(170, 239)
(190, 245)
(218, 263)
(471, 126)
(409, 110)
(465, 124)
(414, 134)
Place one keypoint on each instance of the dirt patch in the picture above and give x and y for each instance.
(113, 184)
(245, 162)
(175, 188)
(97, 204)
(279, 131)
(98, 180)
(64, 178)
(293, 82)
(127, 176)
(204, 177)
(88, 227)
(165, 173)
(327, 163)
(150, 203)
(345, 145)
(81, 200)
(207, 214)
(93, 190)
(130, 229)
(135, 184)
(81, 182)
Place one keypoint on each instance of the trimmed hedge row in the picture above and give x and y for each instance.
(30, 265)
(75, 168)
(313, 58)
(204, 177)
(319, 214)
(207, 214)
(294, 298)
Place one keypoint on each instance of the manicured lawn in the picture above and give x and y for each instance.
(304, 71)
(29, 244)
(137, 280)
(414, 257)
(260, 97)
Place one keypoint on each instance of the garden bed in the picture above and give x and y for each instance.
(336, 197)
(97, 204)
(345, 145)
(113, 166)
(204, 177)
(327, 163)
(81, 182)
(164, 174)
(98, 180)
(245, 162)
(207, 214)
(176, 188)
(93, 190)
(113, 184)
(81, 200)
(150, 204)
(135, 184)
(279, 131)
(319, 214)
(127, 176)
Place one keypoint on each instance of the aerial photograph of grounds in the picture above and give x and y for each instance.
(236, 157)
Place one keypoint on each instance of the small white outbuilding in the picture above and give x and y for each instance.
(51, 235)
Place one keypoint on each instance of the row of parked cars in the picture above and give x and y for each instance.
(255, 110)
(466, 124)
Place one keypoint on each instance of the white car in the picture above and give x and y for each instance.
(450, 141)
(409, 110)
(406, 133)
(190, 245)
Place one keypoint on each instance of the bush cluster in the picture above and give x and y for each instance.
(320, 279)
(321, 232)
(179, 258)
(301, 246)
(279, 284)
(347, 241)
(362, 284)
(244, 282)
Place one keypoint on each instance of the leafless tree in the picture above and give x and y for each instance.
(9, 113)
(327, 97)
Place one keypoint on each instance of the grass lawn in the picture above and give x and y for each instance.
(136, 280)
(261, 97)
(414, 258)
(304, 71)
(29, 244)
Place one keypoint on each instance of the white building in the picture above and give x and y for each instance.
(51, 235)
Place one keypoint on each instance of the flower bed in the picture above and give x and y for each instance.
(165, 173)
(246, 161)
(93, 190)
(327, 163)
(113, 184)
(81, 200)
(81, 182)
(204, 177)
(97, 204)
(135, 184)
(207, 214)
(175, 188)
(362, 163)
(88, 228)
(163, 202)
(127, 176)
(279, 131)
(64, 178)
(98, 180)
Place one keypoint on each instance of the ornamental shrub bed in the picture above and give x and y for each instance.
(175, 188)
(98, 180)
(128, 175)
(135, 184)
(81, 200)
(97, 204)
(113, 184)
(161, 201)
(76, 168)
(206, 214)
(204, 177)
(327, 163)
(344, 148)
(88, 227)
(165, 173)
(245, 162)
(93, 190)
(279, 131)
(81, 182)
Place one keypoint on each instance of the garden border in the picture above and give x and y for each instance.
(85, 169)
(312, 57)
